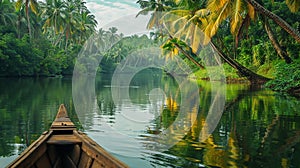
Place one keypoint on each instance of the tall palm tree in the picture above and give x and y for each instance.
(33, 5)
(187, 25)
(281, 53)
(101, 39)
(86, 26)
(284, 25)
(233, 10)
(67, 21)
(53, 13)
(180, 11)
(237, 10)
(112, 34)
(7, 15)
(237, 17)
(156, 7)
(70, 20)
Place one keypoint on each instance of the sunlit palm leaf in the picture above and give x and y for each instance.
(293, 5)
(202, 13)
(34, 6)
(251, 11)
(222, 15)
(144, 12)
(153, 21)
(18, 5)
(236, 18)
(182, 24)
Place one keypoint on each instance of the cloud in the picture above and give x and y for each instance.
(107, 11)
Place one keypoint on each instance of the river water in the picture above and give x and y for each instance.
(153, 123)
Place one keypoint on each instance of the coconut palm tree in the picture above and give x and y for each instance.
(70, 20)
(7, 15)
(170, 11)
(86, 26)
(284, 25)
(241, 12)
(156, 7)
(281, 53)
(53, 13)
(233, 10)
(188, 24)
(32, 4)
(236, 11)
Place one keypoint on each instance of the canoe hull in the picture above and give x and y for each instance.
(64, 146)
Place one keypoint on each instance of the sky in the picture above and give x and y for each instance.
(108, 11)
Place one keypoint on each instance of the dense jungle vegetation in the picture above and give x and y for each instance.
(257, 40)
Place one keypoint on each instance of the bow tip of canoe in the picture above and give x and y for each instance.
(62, 112)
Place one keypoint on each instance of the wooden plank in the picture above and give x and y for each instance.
(93, 150)
(62, 123)
(24, 158)
(96, 164)
(63, 140)
(52, 153)
(43, 162)
(31, 158)
(85, 161)
(75, 154)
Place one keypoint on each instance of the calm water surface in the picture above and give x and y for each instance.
(258, 128)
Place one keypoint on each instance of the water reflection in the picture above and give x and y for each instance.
(253, 132)
(258, 128)
(27, 108)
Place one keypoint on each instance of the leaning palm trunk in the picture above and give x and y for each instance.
(289, 29)
(186, 54)
(275, 43)
(243, 71)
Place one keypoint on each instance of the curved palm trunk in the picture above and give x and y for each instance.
(275, 43)
(187, 54)
(243, 71)
(289, 29)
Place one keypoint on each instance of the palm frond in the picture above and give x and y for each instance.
(293, 5)
(223, 14)
(197, 39)
(34, 6)
(143, 12)
(154, 20)
(202, 12)
(251, 11)
(236, 18)
(18, 5)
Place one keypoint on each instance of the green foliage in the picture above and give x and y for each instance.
(18, 57)
(25, 51)
(287, 77)
(67, 22)
(122, 49)
(267, 70)
(214, 72)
